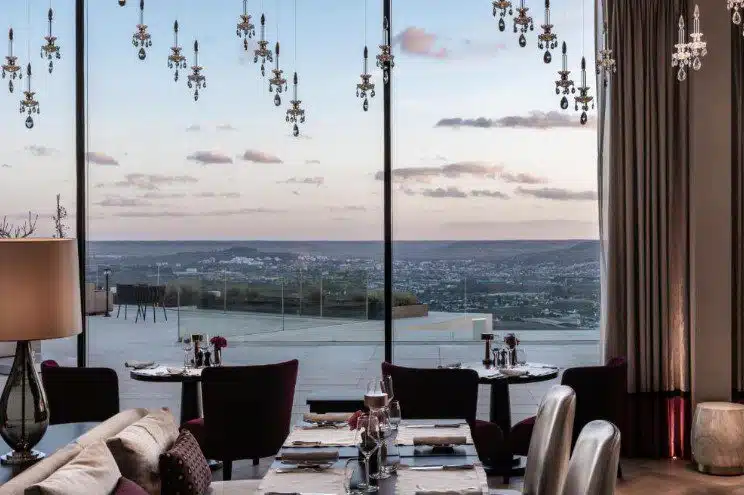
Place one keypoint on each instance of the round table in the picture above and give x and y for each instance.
(190, 387)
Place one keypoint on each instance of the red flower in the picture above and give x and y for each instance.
(511, 340)
(354, 419)
(218, 342)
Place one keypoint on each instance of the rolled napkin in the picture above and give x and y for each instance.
(326, 455)
(139, 365)
(326, 417)
(440, 440)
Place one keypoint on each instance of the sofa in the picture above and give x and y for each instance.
(106, 430)
(95, 300)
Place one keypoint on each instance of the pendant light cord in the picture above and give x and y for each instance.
(365, 22)
(28, 31)
(295, 34)
(583, 28)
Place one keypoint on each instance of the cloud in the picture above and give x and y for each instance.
(193, 128)
(38, 150)
(100, 158)
(348, 208)
(418, 42)
(315, 181)
(120, 201)
(260, 157)
(209, 157)
(5, 165)
(534, 120)
(296, 193)
(312, 162)
(450, 192)
(558, 194)
(160, 195)
(151, 182)
(227, 195)
(188, 214)
(486, 193)
(226, 127)
(450, 171)
(522, 178)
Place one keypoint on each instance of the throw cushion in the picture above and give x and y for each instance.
(128, 487)
(184, 469)
(137, 448)
(93, 471)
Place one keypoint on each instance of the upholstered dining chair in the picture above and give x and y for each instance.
(426, 393)
(594, 461)
(78, 395)
(547, 458)
(247, 412)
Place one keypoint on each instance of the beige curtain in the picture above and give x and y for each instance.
(644, 181)
(737, 188)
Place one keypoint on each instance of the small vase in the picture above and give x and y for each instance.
(217, 357)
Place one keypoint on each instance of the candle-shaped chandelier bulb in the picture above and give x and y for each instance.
(366, 86)
(262, 51)
(122, 3)
(523, 23)
(547, 39)
(385, 59)
(583, 100)
(501, 7)
(295, 114)
(29, 105)
(245, 27)
(50, 49)
(11, 67)
(278, 81)
(697, 47)
(681, 55)
(196, 79)
(176, 59)
(605, 63)
(564, 84)
(141, 38)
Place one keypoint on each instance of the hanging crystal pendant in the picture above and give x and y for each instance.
(277, 82)
(681, 57)
(736, 6)
(176, 59)
(50, 50)
(523, 23)
(564, 84)
(245, 27)
(605, 63)
(29, 105)
(547, 40)
(196, 79)
(500, 8)
(141, 38)
(366, 86)
(295, 113)
(697, 47)
(583, 99)
(263, 51)
(386, 59)
(11, 67)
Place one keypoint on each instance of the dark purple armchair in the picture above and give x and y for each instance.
(247, 412)
(600, 394)
(426, 393)
(78, 395)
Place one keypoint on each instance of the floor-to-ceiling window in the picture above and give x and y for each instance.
(37, 162)
(270, 240)
(495, 202)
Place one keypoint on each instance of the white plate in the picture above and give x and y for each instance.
(513, 371)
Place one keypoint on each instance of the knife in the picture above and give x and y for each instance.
(454, 467)
(443, 425)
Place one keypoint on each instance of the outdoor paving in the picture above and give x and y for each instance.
(336, 356)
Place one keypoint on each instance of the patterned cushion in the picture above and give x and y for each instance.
(128, 487)
(184, 469)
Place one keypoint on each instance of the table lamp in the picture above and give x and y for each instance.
(39, 300)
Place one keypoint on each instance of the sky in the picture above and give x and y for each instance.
(481, 148)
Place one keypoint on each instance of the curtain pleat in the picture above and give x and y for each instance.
(737, 205)
(645, 178)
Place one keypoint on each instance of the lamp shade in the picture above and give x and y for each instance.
(39, 289)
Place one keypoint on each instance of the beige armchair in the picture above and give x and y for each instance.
(593, 464)
(95, 300)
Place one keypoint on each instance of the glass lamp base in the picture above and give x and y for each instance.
(21, 458)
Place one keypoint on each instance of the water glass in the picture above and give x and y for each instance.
(387, 386)
(368, 440)
(350, 484)
(521, 357)
(385, 432)
(187, 353)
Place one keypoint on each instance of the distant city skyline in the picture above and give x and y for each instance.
(481, 147)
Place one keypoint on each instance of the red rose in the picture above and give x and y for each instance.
(354, 419)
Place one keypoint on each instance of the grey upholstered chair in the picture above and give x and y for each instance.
(593, 464)
(550, 445)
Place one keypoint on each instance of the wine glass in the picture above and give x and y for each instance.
(350, 470)
(385, 430)
(394, 417)
(387, 386)
(521, 357)
(368, 439)
(187, 353)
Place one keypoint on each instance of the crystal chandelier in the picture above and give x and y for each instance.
(50, 49)
(11, 67)
(564, 84)
(176, 59)
(583, 99)
(386, 59)
(263, 51)
(681, 57)
(295, 114)
(547, 39)
(29, 105)
(605, 63)
(245, 27)
(697, 47)
(278, 81)
(523, 23)
(736, 6)
(366, 86)
(501, 7)
(196, 79)
(141, 38)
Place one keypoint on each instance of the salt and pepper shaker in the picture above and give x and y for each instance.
(487, 337)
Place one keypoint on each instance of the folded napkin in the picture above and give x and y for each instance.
(314, 455)
(139, 365)
(327, 417)
(464, 491)
(440, 440)
(444, 482)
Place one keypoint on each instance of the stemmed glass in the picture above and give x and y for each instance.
(187, 353)
(386, 384)
(368, 439)
(394, 417)
(385, 429)
(349, 472)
